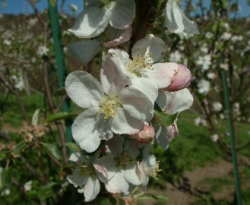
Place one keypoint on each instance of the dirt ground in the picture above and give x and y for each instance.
(193, 187)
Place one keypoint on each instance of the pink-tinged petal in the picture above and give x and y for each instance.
(109, 164)
(77, 179)
(84, 51)
(91, 189)
(118, 184)
(117, 36)
(175, 101)
(123, 14)
(124, 123)
(150, 44)
(83, 89)
(91, 22)
(112, 78)
(133, 174)
(146, 135)
(162, 74)
(89, 129)
(146, 86)
(136, 104)
(181, 80)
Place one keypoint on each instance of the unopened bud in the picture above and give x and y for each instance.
(146, 135)
(180, 80)
(172, 131)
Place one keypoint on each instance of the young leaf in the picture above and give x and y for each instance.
(19, 147)
(6, 177)
(60, 116)
(73, 147)
(52, 149)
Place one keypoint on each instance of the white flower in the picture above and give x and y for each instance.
(42, 50)
(96, 16)
(200, 121)
(6, 192)
(217, 106)
(7, 42)
(171, 103)
(214, 137)
(204, 61)
(140, 71)
(211, 75)
(28, 185)
(175, 56)
(85, 175)
(120, 164)
(111, 107)
(176, 21)
(203, 86)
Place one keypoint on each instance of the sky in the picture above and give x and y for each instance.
(23, 6)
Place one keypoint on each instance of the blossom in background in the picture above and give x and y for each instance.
(217, 106)
(203, 86)
(175, 56)
(19, 82)
(42, 50)
(96, 15)
(111, 107)
(204, 61)
(171, 103)
(28, 185)
(176, 21)
(214, 137)
(200, 121)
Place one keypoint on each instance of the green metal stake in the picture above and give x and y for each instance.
(232, 137)
(60, 63)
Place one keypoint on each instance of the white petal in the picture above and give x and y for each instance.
(77, 179)
(117, 37)
(89, 129)
(83, 89)
(124, 123)
(118, 184)
(136, 104)
(161, 137)
(150, 44)
(123, 14)
(78, 158)
(91, 189)
(112, 77)
(146, 86)
(84, 51)
(174, 102)
(132, 175)
(91, 22)
(162, 74)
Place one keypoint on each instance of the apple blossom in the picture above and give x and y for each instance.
(111, 107)
(97, 14)
(120, 163)
(203, 86)
(86, 175)
(176, 21)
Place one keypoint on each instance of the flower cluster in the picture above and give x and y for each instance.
(135, 104)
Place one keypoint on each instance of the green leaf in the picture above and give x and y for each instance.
(19, 147)
(52, 149)
(47, 191)
(164, 118)
(60, 92)
(6, 177)
(35, 117)
(73, 147)
(60, 116)
(159, 197)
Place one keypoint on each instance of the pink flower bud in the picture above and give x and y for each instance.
(172, 131)
(180, 80)
(146, 135)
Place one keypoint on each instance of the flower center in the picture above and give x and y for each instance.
(108, 107)
(123, 159)
(86, 169)
(139, 64)
(153, 170)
